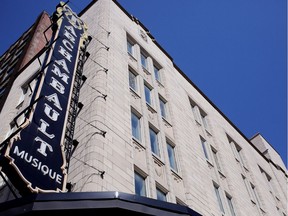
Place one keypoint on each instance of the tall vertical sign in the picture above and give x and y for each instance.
(37, 152)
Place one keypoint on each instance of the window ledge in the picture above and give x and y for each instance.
(160, 84)
(157, 160)
(132, 57)
(208, 132)
(222, 176)
(138, 144)
(146, 70)
(166, 122)
(263, 212)
(20, 105)
(198, 123)
(134, 94)
(150, 108)
(245, 168)
(176, 176)
(210, 164)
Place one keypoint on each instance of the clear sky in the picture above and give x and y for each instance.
(234, 51)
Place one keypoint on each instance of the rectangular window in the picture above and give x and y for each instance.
(136, 126)
(22, 97)
(195, 111)
(163, 107)
(204, 120)
(237, 151)
(148, 93)
(268, 180)
(144, 61)
(157, 74)
(230, 204)
(251, 191)
(204, 148)
(255, 195)
(171, 155)
(160, 194)
(248, 187)
(130, 47)
(216, 160)
(218, 197)
(154, 142)
(140, 185)
(133, 81)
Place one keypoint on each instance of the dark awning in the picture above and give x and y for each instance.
(91, 203)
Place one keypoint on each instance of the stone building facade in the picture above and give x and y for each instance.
(145, 128)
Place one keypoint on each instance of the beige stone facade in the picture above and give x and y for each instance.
(212, 156)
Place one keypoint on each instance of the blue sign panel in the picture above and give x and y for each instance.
(37, 152)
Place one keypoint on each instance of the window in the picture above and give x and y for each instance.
(255, 195)
(247, 185)
(268, 180)
(204, 147)
(195, 111)
(251, 191)
(237, 151)
(204, 120)
(22, 97)
(163, 107)
(157, 73)
(230, 204)
(148, 93)
(154, 142)
(144, 61)
(171, 155)
(136, 126)
(218, 197)
(215, 156)
(130, 47)
(199, 115)
(133, 81)
(160, 194)
(140, 186)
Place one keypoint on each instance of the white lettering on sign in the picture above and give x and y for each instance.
(35, 162)
(48, 110)
(43, 146)
(54, 98)
(43, 128)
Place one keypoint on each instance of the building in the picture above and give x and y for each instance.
(22, 52)
(140, 137)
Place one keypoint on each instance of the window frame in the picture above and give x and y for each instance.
(157, 73)
(140, 176)
(164, 108)
(130, 47)
(135, 79)
(216, 159)
(230, 205)
(173, 164)
(148, 92)
(237, 152)
(144, 60)
(204, 120)
(205, 148)
(155, 146)
(139, 125)
(160, 191)
(218, 197)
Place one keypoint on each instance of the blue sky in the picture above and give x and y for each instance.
(234, 51)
